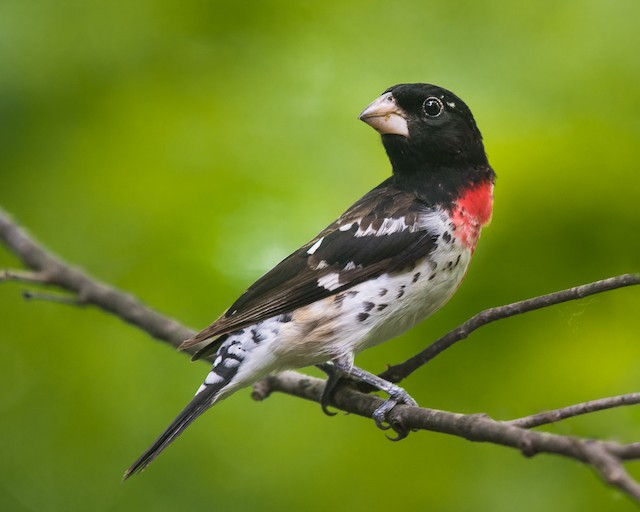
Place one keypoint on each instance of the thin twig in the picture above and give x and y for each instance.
(71, 300)
(629, 451)
(400, 371)
(543, 418)
(23, 276)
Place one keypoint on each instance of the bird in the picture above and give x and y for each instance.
(389, 261)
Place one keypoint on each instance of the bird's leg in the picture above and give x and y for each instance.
(397, 395)
(333, 378)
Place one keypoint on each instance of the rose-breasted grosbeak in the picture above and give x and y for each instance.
(391, 260)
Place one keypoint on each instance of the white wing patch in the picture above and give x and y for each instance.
(351, 266)
(315, 246)
(330, 281)
(429, 220)
(389, 226)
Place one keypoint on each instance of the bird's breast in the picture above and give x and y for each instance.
(471, 211)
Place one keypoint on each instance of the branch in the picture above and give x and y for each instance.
(610, 468)
(21, 275)
(50, 270)
(473, 427)
(605, 457)
(400, 371)
(543, 418)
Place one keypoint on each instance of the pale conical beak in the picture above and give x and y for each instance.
(385, 116)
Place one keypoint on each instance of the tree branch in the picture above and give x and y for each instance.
(474, 427)
(543, 418)
(610, 468)
(22, 276)
(400, 371)
(51, 270)
(604, 456)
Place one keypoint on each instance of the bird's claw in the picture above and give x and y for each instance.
(324, 405)
(380, 416)
(401, 434)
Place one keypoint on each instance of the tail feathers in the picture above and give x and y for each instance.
(200, 403)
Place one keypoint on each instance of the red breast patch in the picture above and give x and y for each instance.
(471, 211)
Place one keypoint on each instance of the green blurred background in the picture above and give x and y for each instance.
(179, 150)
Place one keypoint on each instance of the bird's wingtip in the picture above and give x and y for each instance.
(186, 344)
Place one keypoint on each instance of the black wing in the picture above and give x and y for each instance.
(383, 232)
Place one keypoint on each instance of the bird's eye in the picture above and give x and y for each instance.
(432, 106)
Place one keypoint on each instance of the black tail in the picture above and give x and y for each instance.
(200, 403)
(230, 356)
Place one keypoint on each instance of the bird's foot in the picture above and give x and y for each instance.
(380, 416)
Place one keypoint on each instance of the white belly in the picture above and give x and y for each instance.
(414, 297)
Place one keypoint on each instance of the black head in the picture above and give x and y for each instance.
(425, 128)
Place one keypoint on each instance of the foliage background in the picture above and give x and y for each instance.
(178, 150)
